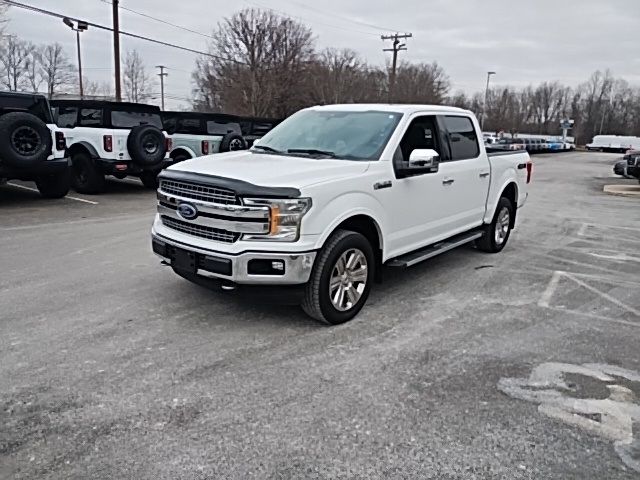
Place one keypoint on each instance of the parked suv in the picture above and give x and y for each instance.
(632, 157)
(196, 134)
(112, 138)
(31, 146)
(256, 128)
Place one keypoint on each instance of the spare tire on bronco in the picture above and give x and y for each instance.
(232, 142)
(25, 140)
(146, 145)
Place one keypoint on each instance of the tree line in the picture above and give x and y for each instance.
(264, 64)
(267, 65)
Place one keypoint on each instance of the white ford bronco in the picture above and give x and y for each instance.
(197, 134)
(32, 147)
(332, 194)
(112, 138)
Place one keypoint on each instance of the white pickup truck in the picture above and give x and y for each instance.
(331, 195)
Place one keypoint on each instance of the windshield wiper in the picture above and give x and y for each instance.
(312, 151)
(266, 149)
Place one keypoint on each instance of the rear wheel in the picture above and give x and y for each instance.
(341, 278)
(54, 186)
(149, 179)
(87, 178)
(496, 234)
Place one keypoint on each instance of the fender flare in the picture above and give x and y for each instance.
(86, 145)
(182, 149)
(491, 209)
(346, 216)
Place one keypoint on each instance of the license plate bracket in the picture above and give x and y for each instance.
(184, 260)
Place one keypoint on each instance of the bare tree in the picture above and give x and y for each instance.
(55, 68)
(33, 77)
(137, 82)
(14, 59)
(420, 83)
(96, 89)
(259, 65)
(338, 76)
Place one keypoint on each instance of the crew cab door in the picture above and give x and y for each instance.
(416, 211)
(467, 173)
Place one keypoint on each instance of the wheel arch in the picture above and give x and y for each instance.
(367, 226)
(182, 151)
(510, 192)
(83, 147)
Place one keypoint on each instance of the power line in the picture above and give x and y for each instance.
(334, 15)
(109, 29)
(181, 27)
(255, 4)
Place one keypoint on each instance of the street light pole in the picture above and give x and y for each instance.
(78, 28)
(79, 65)
(484, 104)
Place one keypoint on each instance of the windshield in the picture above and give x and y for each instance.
(330, 133)
(130, 119)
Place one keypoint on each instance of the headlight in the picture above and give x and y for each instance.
(284, 219)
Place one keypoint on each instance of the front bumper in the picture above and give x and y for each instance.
(293, 268)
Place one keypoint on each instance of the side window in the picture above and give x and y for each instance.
(90, 117)
(462, 138)
(222, 128)
(66, 117)
(421, 134)
(189, 126)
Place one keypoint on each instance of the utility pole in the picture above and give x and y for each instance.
(396, 47)
(162, 74)
(116, 47)
(484, 104)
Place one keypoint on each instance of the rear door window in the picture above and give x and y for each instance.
(66, 117)
(462, 138)
(220, 127)
(132, 118)
(90, 117)
(189, 126)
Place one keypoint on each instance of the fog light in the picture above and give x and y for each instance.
(265, 267)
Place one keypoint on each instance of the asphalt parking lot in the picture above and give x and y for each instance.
(111, 366)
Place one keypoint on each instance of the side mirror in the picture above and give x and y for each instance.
(424, 159)
(421, 161)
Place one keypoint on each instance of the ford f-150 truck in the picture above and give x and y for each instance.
(332, 194)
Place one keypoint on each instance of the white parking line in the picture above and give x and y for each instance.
(36, 190)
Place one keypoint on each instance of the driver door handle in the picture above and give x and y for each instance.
(448, 181)
(484, 174)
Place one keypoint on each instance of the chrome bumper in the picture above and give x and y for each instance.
(297, 266)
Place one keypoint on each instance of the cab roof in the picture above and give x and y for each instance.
(390, 107)
(102, 104)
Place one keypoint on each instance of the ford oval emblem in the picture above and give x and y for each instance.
(187, 211)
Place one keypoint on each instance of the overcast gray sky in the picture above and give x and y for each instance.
(525, 42)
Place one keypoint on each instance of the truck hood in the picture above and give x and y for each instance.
(272, 170)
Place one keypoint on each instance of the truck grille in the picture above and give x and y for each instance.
(209, 233)
(199, 192)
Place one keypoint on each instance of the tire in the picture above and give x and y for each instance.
(181, 158)
(492, 241)
(86, 177)
(317, 301)
(232, 142)
(149, 179)
(54, 186)
(25, 140)
(146, 145)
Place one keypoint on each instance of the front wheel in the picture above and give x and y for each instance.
(54, 186)
(498, 231)
(341, 278)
